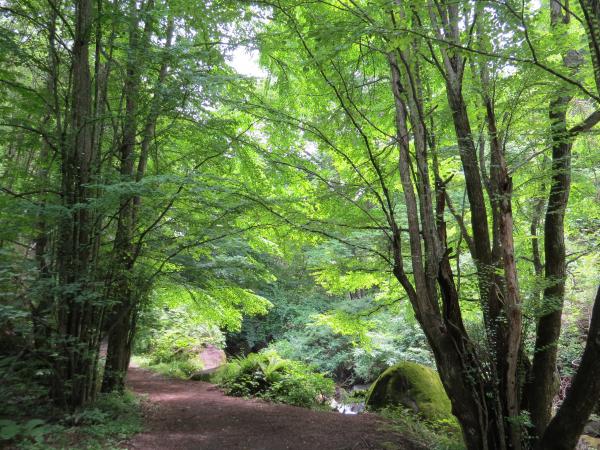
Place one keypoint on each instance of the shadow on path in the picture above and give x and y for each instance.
(190, 415)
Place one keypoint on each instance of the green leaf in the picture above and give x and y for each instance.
(9, 429)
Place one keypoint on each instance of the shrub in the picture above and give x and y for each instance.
(24, 387)
(350, 362)
(171, 333)
(432, 434)
(319, 347)
(173, 346)
(178, 368)
(31, 430)
(170, 341)
(103, 424)
(267, 375)
(111, 418)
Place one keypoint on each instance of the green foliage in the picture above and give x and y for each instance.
(33, 430)
(270, 211)
(364, 337)
(178, 368)
(111, 419)
(169, 342)
(318, 346)
(349, 361)
(571, 344)
(431, 434)
(24, 386)
(173, 346)
(178, 323)
(266, 375)
(218, 303)
(107, 422)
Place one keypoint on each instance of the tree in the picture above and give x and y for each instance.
(425, 48)
(114, 156)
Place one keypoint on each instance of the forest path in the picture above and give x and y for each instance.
(190, 415)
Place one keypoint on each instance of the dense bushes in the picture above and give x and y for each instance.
(268, 376)
(349, 361)
(102, 424)
(172, 354)
(291, 329)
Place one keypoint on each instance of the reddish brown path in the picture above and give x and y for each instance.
(190, 415)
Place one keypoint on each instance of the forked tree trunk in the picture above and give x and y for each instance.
(456, 359)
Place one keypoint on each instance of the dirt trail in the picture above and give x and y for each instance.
(190, 415)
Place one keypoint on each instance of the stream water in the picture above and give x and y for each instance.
(344, 403)
(347, 408)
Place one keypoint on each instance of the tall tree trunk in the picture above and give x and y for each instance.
(127, 293)
(122, 276)
(563, 431)
(42, 312)
(500, 192)
(455, 357)
(487, 251)
(548, 328)
(77, 322)
(544, 371)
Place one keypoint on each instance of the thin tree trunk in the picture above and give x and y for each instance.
(42, 312)
(545, 383)
(122, 282)
(548, 328)
(126, 292)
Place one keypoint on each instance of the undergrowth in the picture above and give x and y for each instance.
(433, 435)
(176, 368)
(105, 424)
(266, 375)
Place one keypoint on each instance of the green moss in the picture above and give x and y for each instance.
(414, 386)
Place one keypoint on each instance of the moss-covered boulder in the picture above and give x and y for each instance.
(413, 386)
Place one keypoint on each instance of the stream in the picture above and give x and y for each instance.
(346, 402)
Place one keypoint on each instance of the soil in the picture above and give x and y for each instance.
(186, 415)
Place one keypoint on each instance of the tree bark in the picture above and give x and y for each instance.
(549, 324)
(127, 293)
(545, 385)
(78, 324)
(42, 311)
(564, 429)
(122, 282)
(455, 357)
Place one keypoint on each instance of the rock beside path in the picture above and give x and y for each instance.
(212, 357)
(412, 386)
